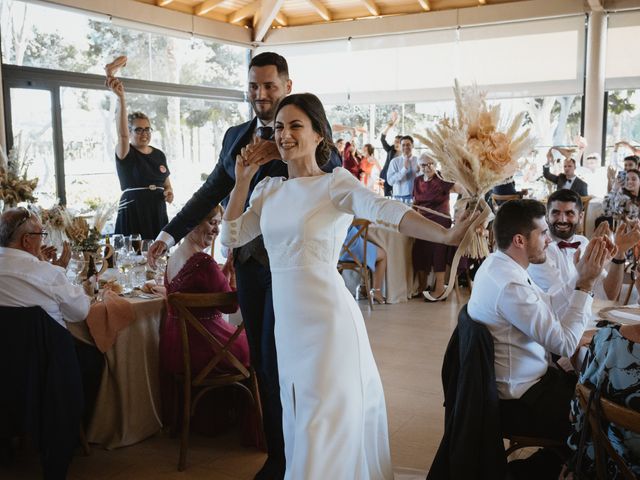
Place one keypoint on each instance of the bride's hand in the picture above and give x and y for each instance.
(245, 169)
(455, 234)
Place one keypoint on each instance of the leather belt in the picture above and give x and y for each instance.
(150, 187)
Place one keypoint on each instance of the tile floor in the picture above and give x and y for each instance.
(408, 342)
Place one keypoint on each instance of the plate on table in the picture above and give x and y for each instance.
(625, 314)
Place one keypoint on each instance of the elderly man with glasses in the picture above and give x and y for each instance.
(27, 278)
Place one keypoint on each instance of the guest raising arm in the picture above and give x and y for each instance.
(142, 171)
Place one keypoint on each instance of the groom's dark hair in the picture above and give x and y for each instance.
(271, 58)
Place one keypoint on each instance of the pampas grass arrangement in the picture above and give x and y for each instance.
(478, 149)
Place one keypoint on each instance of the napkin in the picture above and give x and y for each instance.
(107, 318)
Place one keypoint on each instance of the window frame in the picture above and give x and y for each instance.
(14, 76)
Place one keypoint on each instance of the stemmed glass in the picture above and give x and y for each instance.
(136, 241)
(117, 240)
(126, 261)
(161, 266)
(76, 265)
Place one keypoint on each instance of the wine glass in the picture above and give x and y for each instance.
(136, 241)
(117, 240)
(76, 265)
(127, 244)
(161, 266)
(126, 261)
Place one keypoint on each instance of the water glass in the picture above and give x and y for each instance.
(117, 241)
(136, 241)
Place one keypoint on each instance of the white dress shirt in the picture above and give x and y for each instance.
(400, 177)
(559, 269)
(568, 182)
(523, 322)
(26, 281)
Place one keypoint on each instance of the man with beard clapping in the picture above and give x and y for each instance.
(564, 214)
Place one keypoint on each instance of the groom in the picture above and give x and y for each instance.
(269, 83)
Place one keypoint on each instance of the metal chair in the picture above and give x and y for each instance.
(354, 262)
(207, 379)
(600, 416)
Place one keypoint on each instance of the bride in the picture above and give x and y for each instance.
(334, 416)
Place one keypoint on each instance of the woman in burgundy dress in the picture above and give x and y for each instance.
(191, 270)
(350, 159)
(431, 191)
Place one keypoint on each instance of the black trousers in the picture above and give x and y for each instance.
(256, 305)
(543, 411)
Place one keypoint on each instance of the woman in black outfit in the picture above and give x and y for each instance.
(142, 171)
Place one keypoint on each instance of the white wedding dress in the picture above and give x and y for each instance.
(334, 415)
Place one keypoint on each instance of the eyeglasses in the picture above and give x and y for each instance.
(140, 130)
(427, 164)
(43, 233)
(26, 215)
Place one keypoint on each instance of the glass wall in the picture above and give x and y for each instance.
(72, 149)
(47, 37)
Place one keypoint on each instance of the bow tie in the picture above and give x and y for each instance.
(265, 133)
(562, 244)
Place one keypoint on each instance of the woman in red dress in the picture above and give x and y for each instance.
(431, 191)
(191, 270)
(350, 159)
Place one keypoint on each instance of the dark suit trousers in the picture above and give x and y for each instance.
(256, 304)
(543, 410)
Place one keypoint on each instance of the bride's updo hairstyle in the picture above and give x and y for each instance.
(312, 106)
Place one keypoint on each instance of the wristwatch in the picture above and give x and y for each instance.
(588, 292)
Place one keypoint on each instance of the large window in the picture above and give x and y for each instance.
(47, 37)
(62, 119)
(188, 131)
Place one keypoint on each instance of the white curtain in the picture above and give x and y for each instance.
(524, 59)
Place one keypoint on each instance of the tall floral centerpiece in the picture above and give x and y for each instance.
(479, 150)
(15, 187)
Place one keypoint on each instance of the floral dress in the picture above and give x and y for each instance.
(614, 367)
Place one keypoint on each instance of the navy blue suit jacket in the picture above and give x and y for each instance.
(221, 181)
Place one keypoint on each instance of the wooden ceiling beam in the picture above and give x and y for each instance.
(205, 7)
(264, 17)
(372, 7)
(482, 2)
(163, 3)
(321, 9)
(425, 5)
(246, 11)
(282, 19)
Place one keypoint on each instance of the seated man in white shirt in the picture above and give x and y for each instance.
(403, 170)
(564, 215)
(27, 281)
(522, 319)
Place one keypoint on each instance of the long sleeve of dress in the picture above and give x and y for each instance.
(238, 232)
(350, 196)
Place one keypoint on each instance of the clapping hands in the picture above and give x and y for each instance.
(49, 254)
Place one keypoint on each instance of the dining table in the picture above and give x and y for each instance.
(128, 404)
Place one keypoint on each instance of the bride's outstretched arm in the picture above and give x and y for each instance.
(415, 225)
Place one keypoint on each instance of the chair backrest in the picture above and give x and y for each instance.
(183, 302)
(498, 200)
(361, 231)
(611, 412)
(42, 384)
(585, 205)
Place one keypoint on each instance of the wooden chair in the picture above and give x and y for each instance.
(354, 262)
(497, 200)
(585, 205)
(207, 379)
(599, 417)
